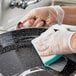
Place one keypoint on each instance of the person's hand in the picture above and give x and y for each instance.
(43, 16)
(56, 43)
(39, 17)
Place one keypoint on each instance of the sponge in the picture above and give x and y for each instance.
(48, 60)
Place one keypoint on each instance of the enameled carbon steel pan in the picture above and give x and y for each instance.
(16, 51)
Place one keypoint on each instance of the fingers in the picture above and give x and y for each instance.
(34, 23)
(44, 53)
(47, 51)
(28, 17)
(41, 48)
(38, 22)
(29, 23)
(20, 25)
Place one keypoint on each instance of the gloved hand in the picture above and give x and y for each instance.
(55, 43)
(43, 16)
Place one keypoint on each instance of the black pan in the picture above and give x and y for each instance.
(17, 54)
(16, 51)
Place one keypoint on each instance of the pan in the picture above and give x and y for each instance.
(17, 54)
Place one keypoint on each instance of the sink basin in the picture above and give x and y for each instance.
(10, 17)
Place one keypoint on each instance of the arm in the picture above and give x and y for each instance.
(45, 16)
(70, 15)
(73, 41)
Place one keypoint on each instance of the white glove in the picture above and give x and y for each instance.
(60, 14)
(42, 17)
(55, 43)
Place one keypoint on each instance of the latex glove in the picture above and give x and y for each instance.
(42, 16)
(56, 43)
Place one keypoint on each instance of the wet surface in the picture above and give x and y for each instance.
(17, 54)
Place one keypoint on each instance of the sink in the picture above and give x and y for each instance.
(10, 17)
